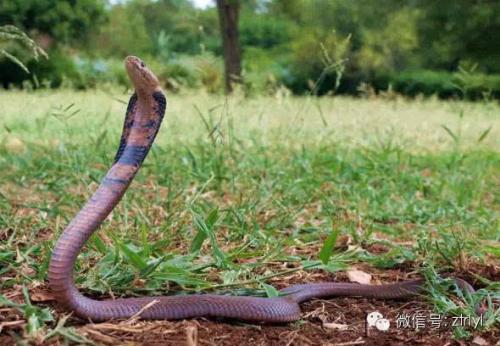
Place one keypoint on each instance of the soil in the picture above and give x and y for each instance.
(338, 321)
(310, 331)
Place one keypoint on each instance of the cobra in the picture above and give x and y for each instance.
(143, 118)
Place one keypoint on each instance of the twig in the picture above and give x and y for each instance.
(137, 315)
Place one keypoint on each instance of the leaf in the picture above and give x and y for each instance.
(152, 265)
(179, 275)
(206, 230)
(359, 276)
(198, 240)
(160, 244)
(133, 258)
(99, 244)
(39, 295)
(328, 245)
(450, 132)
(213, 217)
(484, 134)
(270, 290)
(480, 341)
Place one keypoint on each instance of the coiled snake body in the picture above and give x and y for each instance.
(143, 119)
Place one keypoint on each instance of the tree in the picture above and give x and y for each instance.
(65, 21)
(124, 34)
(229, 18)
(460, 31)
(54, 25)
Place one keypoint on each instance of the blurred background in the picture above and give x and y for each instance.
(412, 47)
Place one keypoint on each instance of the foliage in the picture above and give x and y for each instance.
(441, 83)
(64, 21)
(264, 31)
(124, 34)
(315, 59)
(392, 48)
(284, 42)
(462, 31)
(46, 73)
(240, 191)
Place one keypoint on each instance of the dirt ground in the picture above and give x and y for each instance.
(338, 321)
(323, 324)
(337, 314)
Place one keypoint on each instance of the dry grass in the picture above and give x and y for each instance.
(269, 178)
(414, 125)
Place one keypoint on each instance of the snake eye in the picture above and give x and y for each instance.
(142, 64)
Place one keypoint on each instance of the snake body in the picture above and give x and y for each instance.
(144, 115)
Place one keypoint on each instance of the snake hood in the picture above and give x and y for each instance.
(143, 118)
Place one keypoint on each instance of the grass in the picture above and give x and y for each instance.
(239, 194)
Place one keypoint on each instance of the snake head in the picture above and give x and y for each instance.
(142, 77)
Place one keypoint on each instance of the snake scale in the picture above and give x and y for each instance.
(144, 116)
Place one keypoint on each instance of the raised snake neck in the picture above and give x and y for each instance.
(143, 119)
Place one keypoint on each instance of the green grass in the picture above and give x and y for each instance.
(238, 193)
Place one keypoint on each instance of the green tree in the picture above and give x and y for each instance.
(394, 47)
(55, 25)
(124, 34)
(65, 21)
(460, 31)
(176, 20)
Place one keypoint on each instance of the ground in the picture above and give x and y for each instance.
(323, 322)
(242, 192)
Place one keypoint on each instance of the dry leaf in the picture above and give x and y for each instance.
(344, 240)
(480, 341)
(359, 276)
(191, 336)
(335, 326)
(26, 270)
(14, 145)
(41, 296)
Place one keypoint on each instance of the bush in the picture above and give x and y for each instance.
(44, 72)
(94, 72)
(78, 72)
(428, 83)
(190, 71)
(316, 62)
(264, 32)
(441, 83)
(481, 85)
(263, 70)
(176, 73)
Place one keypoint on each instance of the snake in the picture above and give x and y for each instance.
(144, 115)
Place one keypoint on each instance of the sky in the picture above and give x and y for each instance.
(197, 3)
(202, 3)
